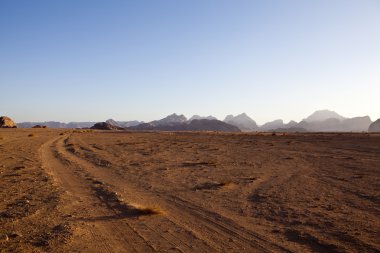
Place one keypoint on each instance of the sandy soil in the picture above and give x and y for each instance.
(87, 191)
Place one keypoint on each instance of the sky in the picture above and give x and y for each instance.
(89, 60)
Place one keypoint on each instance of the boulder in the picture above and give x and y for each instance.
(6, 122)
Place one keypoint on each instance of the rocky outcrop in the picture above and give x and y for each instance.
(242, 121)
(143, 127)
(211, 125)
(323, 115)
(112, 122)
(172, 119)
(202, 117)
(105, 126)
(375, 126)
(78, 124)
(357, 124)
(6, 122)
(272, 125)
(194, 125)
(124, 123)
(39, 126)
(291, 123)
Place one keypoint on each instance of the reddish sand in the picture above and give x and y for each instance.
(94, 191)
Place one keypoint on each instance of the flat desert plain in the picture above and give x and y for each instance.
(116, 191)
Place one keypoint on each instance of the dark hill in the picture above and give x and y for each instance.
(105, 126)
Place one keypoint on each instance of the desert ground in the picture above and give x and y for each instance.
(118, 191)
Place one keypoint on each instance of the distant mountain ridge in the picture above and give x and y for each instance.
(242, 121)
(375, 126)
(56, 124)
(322, 115)
(272, 125)
(357, 124)
(123, 123)
(202, 117)
(176, 122)
(319, 121)
(172, 119)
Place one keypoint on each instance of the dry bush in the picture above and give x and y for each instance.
(83, 131)
(226, 184)
(30, 135)
(148, 210)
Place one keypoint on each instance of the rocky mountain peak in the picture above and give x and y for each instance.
(242, 121)
(322, 115)
(171, 119)
(202, 117)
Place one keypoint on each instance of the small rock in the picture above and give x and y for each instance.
(15, 234)
(3, 238)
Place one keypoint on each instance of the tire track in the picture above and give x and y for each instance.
(154, 236)
(106, 235)
(216, 231)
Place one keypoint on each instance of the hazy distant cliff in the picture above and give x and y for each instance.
(319, 121)
(242, 121)
(375, 126)
(176, 122)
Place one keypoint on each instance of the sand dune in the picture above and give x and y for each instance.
(94, 191)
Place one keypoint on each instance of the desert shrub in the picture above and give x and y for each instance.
(148, 210)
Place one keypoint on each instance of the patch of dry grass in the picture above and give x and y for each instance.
(83, 131)
(148, 210)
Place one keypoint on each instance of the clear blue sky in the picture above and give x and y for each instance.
(92, 60)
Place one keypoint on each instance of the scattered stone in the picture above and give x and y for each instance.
(15, 234)
(4, 238)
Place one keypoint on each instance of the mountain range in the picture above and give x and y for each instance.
(319, 121)
(55, 124)
(242, 121)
